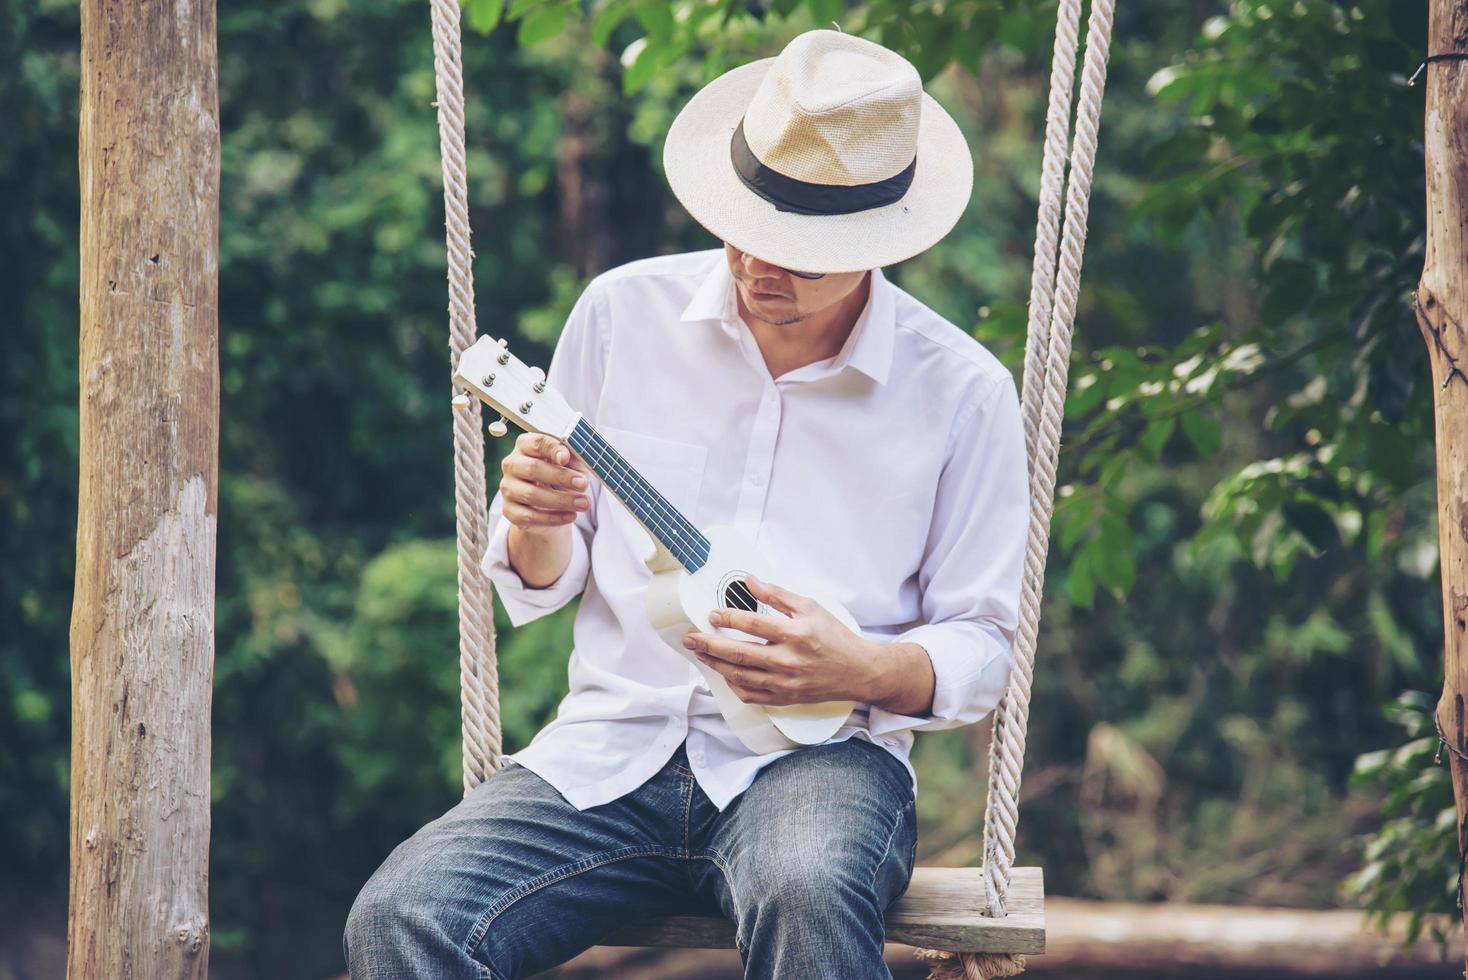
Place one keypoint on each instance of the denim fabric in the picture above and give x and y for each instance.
(514, 880)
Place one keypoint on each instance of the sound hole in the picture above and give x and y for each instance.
(738, 596)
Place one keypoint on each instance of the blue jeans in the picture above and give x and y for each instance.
(514, 880)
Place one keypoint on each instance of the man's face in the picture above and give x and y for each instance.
(773, 295)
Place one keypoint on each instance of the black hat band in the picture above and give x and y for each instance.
(802, 197)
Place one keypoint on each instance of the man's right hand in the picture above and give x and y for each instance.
(543, 484)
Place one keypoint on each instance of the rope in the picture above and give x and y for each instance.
(1054, 287)
(478, 671)
(1042, 300)
(971, 966)
(1044, 406)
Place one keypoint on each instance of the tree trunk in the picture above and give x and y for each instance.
(1441, 306)
(142, 628)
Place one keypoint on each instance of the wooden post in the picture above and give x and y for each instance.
(1441, 306)
(142, 628)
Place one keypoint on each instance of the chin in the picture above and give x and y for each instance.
(777, 319)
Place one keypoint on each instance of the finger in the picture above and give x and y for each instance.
(758, 656)
(756, 624)
(782, 599)
(537, 470)
(743, 677)
(543, 498)
(754, 695)
(543, 446)
(526, 471)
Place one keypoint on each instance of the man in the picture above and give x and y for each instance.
(784, 386)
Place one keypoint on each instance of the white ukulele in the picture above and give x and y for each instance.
(693, 571)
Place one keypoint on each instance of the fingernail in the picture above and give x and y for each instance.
(716, 618)
(578, 482)
(561, 457)
(688, 642)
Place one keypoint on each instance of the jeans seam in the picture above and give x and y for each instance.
(887, 849)
(555, 875)
(717, 860)
(687, 816)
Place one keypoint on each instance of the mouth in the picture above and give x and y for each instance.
(762, 296)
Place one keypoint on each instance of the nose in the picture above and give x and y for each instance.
(759, 267)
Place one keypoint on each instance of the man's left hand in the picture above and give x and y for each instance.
(809, 657)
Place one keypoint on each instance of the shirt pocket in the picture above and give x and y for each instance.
(675, 469)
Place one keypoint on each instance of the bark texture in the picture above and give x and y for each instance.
(142, 628)
(1441, 305)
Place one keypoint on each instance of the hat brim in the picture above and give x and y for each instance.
(701, 173)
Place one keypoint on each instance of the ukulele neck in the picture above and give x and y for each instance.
(651, 508)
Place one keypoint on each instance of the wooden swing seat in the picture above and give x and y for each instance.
(940, 910)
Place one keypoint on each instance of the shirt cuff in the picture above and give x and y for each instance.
(524, 603)
(970, 672)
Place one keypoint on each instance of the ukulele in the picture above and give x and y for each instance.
(694, 570)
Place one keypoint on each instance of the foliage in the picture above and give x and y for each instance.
(1244, 548)
(1412, 861)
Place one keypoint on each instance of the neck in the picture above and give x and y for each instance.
(813, 337)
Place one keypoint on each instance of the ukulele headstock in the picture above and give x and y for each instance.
(520, 393)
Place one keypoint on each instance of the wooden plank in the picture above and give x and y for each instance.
(942, 909)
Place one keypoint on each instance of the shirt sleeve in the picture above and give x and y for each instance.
(577, 368)
(972, 568)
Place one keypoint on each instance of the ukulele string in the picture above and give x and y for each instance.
(629, 479)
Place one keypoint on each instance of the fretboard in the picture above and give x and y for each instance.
(661, 518)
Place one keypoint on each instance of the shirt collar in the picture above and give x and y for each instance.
(868, 348)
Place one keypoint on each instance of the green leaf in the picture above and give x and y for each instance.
(542, 25)
(1155, 437)
(644, 54)
(1313, 522)
(1080, 585)
(1111, 555)
(657, 19)
(1203, 432)
(1075, 518)
(607, 18)
(484, 15)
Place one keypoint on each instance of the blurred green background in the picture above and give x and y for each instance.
(1242, 624)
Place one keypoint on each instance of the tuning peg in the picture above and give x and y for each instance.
(497, 428)
(503, 341)
(461, 402)
(538, 378)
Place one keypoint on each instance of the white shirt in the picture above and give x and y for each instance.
(894, 472)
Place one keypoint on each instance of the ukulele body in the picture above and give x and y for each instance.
(678, 601)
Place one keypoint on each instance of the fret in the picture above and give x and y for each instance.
(678, 534)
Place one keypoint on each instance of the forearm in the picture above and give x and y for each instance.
(904, 681)
(540, 559)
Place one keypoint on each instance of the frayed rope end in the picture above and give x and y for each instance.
(945, 965)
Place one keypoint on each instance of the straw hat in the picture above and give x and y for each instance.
(829, 157)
